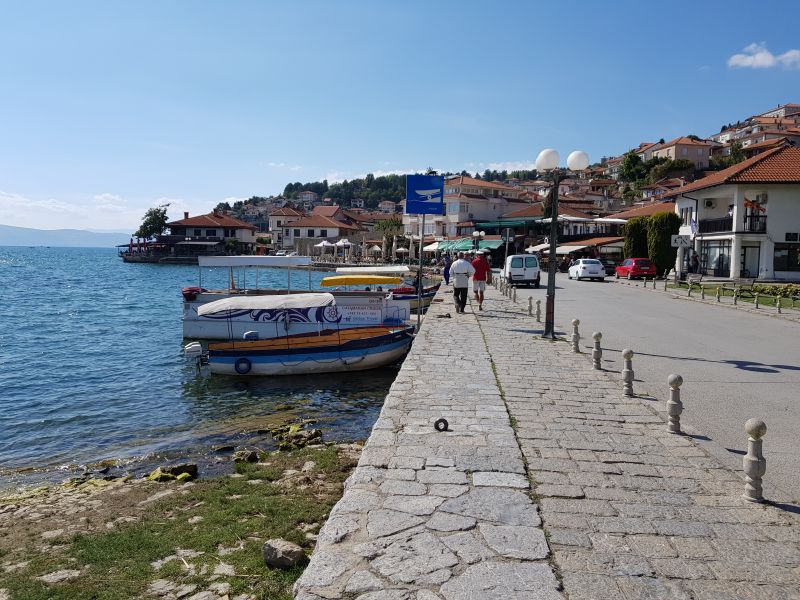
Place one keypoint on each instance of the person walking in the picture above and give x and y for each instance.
(482, 268)
(446, 271)
(461, 270)
(695, 263)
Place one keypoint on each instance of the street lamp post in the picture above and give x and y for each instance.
(548, 160)
(477, 236)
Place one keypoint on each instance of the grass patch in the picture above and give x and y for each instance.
(228, 512)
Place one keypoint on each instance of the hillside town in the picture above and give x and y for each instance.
(724, 168)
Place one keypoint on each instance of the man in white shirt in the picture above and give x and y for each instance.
(460, 272)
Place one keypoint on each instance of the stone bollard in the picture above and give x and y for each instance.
(719, 293)
(530, 306)
(627, 372)
(644, 282)
(514, 294)
(576, 336)
(778, 304)
(755, 300)
(702, 292)
(538, 311)
(735, 297)
(674, 404)
(665, 284)
(754, 463)
(597, 351)
(689, 291)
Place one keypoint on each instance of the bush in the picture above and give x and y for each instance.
(660, 229)
(635, 231)
(780, 290)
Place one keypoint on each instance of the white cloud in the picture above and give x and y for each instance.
(98, 211)
(757, 56)
(284, 166)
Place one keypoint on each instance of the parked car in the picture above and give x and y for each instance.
(610, 265)
(280, 253)
(522, 269)
(635, 267)
(589, 268)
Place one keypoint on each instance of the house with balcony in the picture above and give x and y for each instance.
(745, 220)
(213, 233)
(305, 232)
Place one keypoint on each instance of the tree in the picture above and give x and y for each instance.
(631, 168)
(154, 222)
(660, 229)
(389, 227)
(635, 231)
(222, 206)
(672, 168)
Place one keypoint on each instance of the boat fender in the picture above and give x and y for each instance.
(243, 366)
(441, 425)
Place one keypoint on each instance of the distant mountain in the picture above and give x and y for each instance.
(22, 236)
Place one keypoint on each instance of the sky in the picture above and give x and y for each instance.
(110, 108)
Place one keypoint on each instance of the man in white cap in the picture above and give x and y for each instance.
(460, 272)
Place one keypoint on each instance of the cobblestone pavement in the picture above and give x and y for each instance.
(619, 508)
(436, 515)
(630, 510)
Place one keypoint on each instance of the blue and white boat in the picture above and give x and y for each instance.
(274, 349)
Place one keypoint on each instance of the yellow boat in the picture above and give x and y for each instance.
(360, 280)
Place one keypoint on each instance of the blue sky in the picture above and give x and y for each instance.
(108, 108)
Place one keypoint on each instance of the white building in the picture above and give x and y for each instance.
(278, 219)
(745, 220)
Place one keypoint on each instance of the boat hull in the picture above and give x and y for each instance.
(360, 349)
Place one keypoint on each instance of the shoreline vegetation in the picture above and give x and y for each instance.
(119, 538)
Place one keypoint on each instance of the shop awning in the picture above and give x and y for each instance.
(490, 244)
(568, 249)
(197, 243)
(537, 248)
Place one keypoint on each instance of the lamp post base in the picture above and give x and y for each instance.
(550, 317)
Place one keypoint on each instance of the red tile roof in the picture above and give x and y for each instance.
(779, 165)
(684, 141)
(212, 219)
(325, 211)
(534, 210)
(653, 208)
(286, 212)
(464, 180)
(321, 221)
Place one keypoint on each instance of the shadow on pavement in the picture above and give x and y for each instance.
(744, 365)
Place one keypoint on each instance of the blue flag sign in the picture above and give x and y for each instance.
(424, 195)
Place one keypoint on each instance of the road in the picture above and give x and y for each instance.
(735, 366)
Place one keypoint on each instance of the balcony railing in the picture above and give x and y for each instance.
(755, 223)
(716, 225)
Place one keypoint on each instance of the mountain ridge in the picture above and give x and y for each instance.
(11, 235)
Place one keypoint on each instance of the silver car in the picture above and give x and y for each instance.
(589, 268)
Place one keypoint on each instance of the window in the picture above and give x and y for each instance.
(211, 232)
(198, 232)
(684, 152)
(286, 232)
(310, 233)
(715, 257)
(279, 222)
(516, 262)
(699, 152)
(296, 233)
(786, 257)
(792, 237)
(530, 261)
(323, 233)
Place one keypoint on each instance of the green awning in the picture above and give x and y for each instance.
(467, 244)
(490, 244)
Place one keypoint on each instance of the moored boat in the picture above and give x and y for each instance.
(356, 308)
(407, 292)
(329, 349)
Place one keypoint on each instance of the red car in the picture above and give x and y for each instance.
(635, 267)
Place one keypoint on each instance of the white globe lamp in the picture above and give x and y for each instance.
(547, 160)
(578, 160)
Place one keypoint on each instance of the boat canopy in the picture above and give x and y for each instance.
(254, 261)
(283, 301)
(376, 270)
(359, 280)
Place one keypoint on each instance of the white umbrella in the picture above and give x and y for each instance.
(375, 249)
(401, 250)
(323, 244)
(343, 243)
(394, 246)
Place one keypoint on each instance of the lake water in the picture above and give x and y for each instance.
(91, 368)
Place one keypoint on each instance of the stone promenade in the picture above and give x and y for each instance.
(549, 483)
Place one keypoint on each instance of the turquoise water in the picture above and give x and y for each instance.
(91, 368)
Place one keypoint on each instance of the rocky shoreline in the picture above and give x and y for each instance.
(201, 539)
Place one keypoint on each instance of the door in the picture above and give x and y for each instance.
(750, 259)
(531, 267)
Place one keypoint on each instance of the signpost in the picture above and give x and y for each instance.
(681, 241)
(424, 196)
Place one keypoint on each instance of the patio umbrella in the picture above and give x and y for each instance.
(394, 246)
(375, 249)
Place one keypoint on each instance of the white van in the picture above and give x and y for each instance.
(522, 269)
